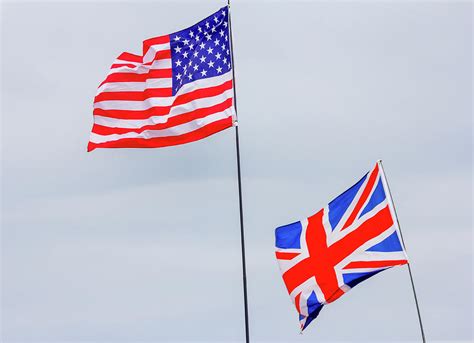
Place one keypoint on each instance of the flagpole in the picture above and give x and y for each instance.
(403, 242)
(241, 212)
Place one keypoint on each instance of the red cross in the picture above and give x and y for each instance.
(322, 259)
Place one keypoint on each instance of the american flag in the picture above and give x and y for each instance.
(353, 238)
(178, 91)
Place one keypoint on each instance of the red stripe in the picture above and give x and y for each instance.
(165, 92)
(202, 93)
(126, 56)
(286, 255)
(375, 264)
(317, 264)
(160, 55)
(118, 65)
(179, 119)
(154, 41)
(135, 96)
(298, 274)
(297, 302)
(163, 110)
(363, 197)
(321, 264)
(133, 77)
(159, 142)
(129, 114)
(371, 228)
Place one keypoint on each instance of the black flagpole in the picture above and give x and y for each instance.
(408, 264)
(237, 146)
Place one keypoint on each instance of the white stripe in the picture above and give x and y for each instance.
(327, 225)
(364, 270)
(338, 235)
(205, 83)
(140, 68)
(378, 256)
(164, 83)
(285, 265)
(119, 61)
(152, 102)
(170, 132)
(135, 105)
(295, 250)
(369, 197)
(360, 251)
(391, 206)
(135, 86)
(307, 287)
(150, 54)
(350, 209)
(161, 64)
(138, 123)
(305, 294)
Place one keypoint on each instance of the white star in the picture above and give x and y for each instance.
(191, 46)
(190, 76)
(203, 72)
(202, 45)
(225, 60)
(208, 36)
(223, 13)
(228, 65)
(178, 63)
(216, 42)
(198, 38)
(227, 51)
(185, 67)
(178, 77)
(219, 70)
(209, 51)
(177, 49)
(221, 32)
(207, 25)
(177, 38)
(185, 54)
(199, 29)
(213, 29)
(195, 54)
(218, 56)
(190, 63)
(186, 42)
(191, 34)
(216, 20)
(225, 24)
(226, 38)
(203, 59)
(210, 64)
(195, 67)
(223, 46)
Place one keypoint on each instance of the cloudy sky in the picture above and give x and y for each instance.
(143, 245)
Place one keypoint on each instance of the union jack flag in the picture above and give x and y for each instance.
(351, 239)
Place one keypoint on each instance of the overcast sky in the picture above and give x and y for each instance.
(143, 245)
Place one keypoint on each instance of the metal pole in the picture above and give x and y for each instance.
(241, 212)
(403, 242)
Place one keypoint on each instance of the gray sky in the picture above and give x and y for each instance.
(143, 245)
